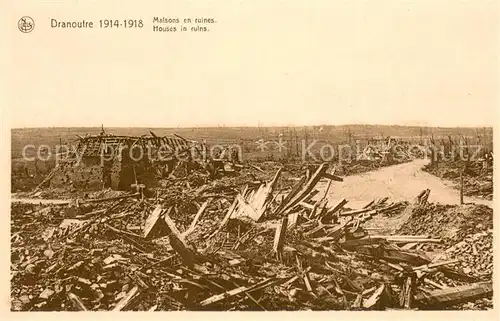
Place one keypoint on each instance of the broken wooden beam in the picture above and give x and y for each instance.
(279, 238)
(333, 177)
(369, 204)
(407, 292)
(255, 203)
(197, 218)
(349, 244)
(336, 232)
(331, 212)
(374, 299)
(310, 196)
(404, 239)
(219, 297)
(434, 284)
(100, 200)
(127, 299)
(295, 189)
(454, 295)
(293, 219)
(178, 242)
(241, 290)
(229, 214)
(246, 209)
(91, 214)
(391, 254)
(152, 222)
(305, 190)
(306, 205)
(435, 264)
(257, 168)
(76, 301)
(355, 212)
(307, 283)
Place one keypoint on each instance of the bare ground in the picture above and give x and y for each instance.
(399, 183)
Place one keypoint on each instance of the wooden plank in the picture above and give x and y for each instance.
(197, 218)
(369, 204)
(178, 242)
(327, 216)
(152, 221)
(279, 238)
(127, 299)
(310, 196)
(236, 291)
(407, 240)
(267, 283)
(306, 205)
(245, 209)
(257, 168)
(336, 232)
(406, 295)
(435, 264)
(100, 200)
(295, 189)
(408, 246)
(434, 284)
(260, 200)
(390, 207)
(306, 189)
(393, 254)
(382, 200)
(307, 283)
(374, 298)
(293, 219)
(404, 236)
(454, 295)
(76, 301)
(361, 242)
(355, 212)
(333, 177)
(219, 297)
(327, 189)
(226, 218)
(314, 209)
(256, 203)
(91, 214)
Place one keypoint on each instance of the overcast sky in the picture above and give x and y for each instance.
(265, 62)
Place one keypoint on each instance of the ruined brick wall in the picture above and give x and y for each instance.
(125, 167)
(116, 169)
(115, 172)
(86, 174)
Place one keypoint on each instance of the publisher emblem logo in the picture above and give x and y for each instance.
(26, 24)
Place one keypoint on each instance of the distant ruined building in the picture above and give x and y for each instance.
(117, 162)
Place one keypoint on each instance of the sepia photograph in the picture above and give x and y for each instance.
(250, 155)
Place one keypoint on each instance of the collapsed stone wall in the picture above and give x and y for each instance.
(118, 168)
(86, 174)
(126, 170)
(118, 173)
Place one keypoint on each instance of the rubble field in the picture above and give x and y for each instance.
(252, 241)
(478, 179)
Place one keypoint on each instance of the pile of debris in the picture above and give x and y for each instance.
(475, 253)
(217, 248)
(477, 175)
(452, 223)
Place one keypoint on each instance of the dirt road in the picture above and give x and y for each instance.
(398, 182)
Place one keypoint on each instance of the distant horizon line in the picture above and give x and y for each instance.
(260, 126)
